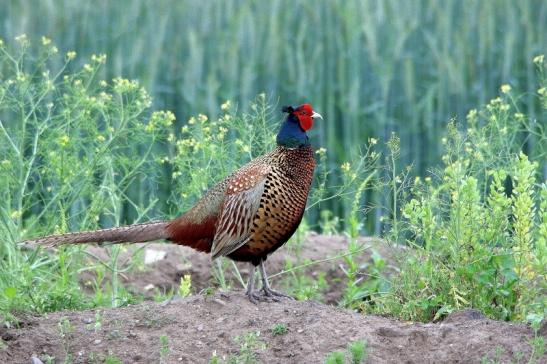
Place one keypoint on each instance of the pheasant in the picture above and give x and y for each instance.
(245, 217)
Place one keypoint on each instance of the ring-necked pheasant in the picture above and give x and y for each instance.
(245, 217)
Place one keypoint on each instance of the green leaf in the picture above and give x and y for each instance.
(10, 292)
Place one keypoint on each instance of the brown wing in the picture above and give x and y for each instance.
(240, 206)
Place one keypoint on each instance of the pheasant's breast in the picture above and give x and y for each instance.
(283, 201)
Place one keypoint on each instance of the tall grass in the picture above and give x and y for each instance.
(371, 67)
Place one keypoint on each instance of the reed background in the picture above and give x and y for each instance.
(370, 67)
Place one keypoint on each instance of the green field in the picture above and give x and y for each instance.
(371, 67)
(433, 137)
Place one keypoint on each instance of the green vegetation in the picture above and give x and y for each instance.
(279, 329)
(477, 225)
(249, 346)
(370, 67)
(164, 348)
(356, 353)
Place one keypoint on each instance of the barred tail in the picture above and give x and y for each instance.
(125, 234)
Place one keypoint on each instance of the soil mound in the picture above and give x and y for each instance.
(193, 329)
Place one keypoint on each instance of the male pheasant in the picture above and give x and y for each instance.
(245, 217)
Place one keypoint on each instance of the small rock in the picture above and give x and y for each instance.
(152, 256)
(149, 287)
(183, 267)
(97, 341)
(34, 359)
(465, 315)
(388, 332)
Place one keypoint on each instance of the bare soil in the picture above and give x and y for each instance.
(191, 330)
(196, 327)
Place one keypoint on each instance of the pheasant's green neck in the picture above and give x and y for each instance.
(291, 135)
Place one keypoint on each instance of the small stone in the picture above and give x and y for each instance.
(152, 256)
(35, 360)
(149, 287)
(97, 341)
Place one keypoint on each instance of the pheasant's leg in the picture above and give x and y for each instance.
(253, 297)
(266, 286)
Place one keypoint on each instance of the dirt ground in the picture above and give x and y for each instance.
(194, 329)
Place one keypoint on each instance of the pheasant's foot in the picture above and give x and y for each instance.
(275, 295)
(256, 296)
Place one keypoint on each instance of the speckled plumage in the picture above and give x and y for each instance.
(245, 217)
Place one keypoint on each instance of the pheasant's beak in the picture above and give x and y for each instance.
(316, 116)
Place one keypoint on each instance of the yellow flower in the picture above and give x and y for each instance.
(64, 140)
(345, 166)
(321, 151)
(103, 83)
(542, 91)
(101, 138)
(71, 55)
(538, 59)
(45, 40)
(1, 42)
(226, 105)
(122, 85)
(101, 58)
(505, 88)
(16, 214)
(472, 115)
(372, 141)
(22, 39)
(202, 118)
(88, 68)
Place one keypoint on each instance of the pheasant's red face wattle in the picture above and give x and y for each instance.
(304, 113)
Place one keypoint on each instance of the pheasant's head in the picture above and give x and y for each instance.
(293, 130)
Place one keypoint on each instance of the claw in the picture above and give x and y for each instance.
(253, 297)
(269, 294)
(275, 294)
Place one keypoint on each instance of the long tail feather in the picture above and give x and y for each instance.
(124, 234)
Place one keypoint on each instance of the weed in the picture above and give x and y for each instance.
(249, 345)
(279, 329)
(164, 348)
(112, 359)
(65, 331)
(358, 352)
(336, 357)
(185, 285)
(355, 354)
